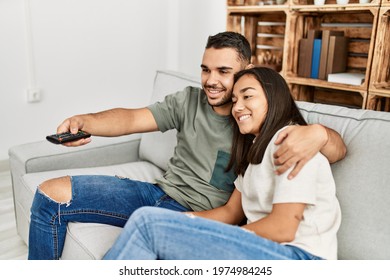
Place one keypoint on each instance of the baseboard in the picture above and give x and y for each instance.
(4, 165)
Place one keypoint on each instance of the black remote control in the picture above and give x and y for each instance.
(65, 137)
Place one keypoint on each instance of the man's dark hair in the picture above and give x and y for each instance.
(232, 40)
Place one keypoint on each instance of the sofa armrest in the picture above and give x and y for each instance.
(44, 156)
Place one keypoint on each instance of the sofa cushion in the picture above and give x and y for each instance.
(362, 178)
(157, 147)
(88, 241)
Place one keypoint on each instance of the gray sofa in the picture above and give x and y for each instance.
(362, 178)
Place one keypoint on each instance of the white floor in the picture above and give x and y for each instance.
(12, 246)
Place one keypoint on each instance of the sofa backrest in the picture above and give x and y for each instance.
(362, 178)
(157, 147)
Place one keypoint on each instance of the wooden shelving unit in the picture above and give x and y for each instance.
(265, 29)
(379, 90)
(277, 29)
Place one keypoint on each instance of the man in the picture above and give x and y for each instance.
(196, 178)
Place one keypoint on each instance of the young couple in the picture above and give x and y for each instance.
(301, 213)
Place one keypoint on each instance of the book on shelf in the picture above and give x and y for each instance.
(337, 55)
(324, 50)
(355, 79)
(315, 60)
(302, 51)
(306, 52)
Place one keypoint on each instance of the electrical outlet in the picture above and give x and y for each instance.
(33, 95)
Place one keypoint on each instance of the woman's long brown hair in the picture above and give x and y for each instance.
(282, 111)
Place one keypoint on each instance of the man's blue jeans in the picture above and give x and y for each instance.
(95, 199)
(153, 233)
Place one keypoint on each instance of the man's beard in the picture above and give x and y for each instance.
(223, 102)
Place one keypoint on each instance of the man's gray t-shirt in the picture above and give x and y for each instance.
(196, 176)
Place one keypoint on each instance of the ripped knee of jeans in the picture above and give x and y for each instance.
(67, 203)
(60, 201)
(58, 190)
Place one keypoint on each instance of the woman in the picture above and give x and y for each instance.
(286, 219)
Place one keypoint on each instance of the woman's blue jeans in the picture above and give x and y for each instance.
(153, 233)
(95, 199)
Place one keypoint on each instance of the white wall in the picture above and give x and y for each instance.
(198, 19)
(91, 55)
